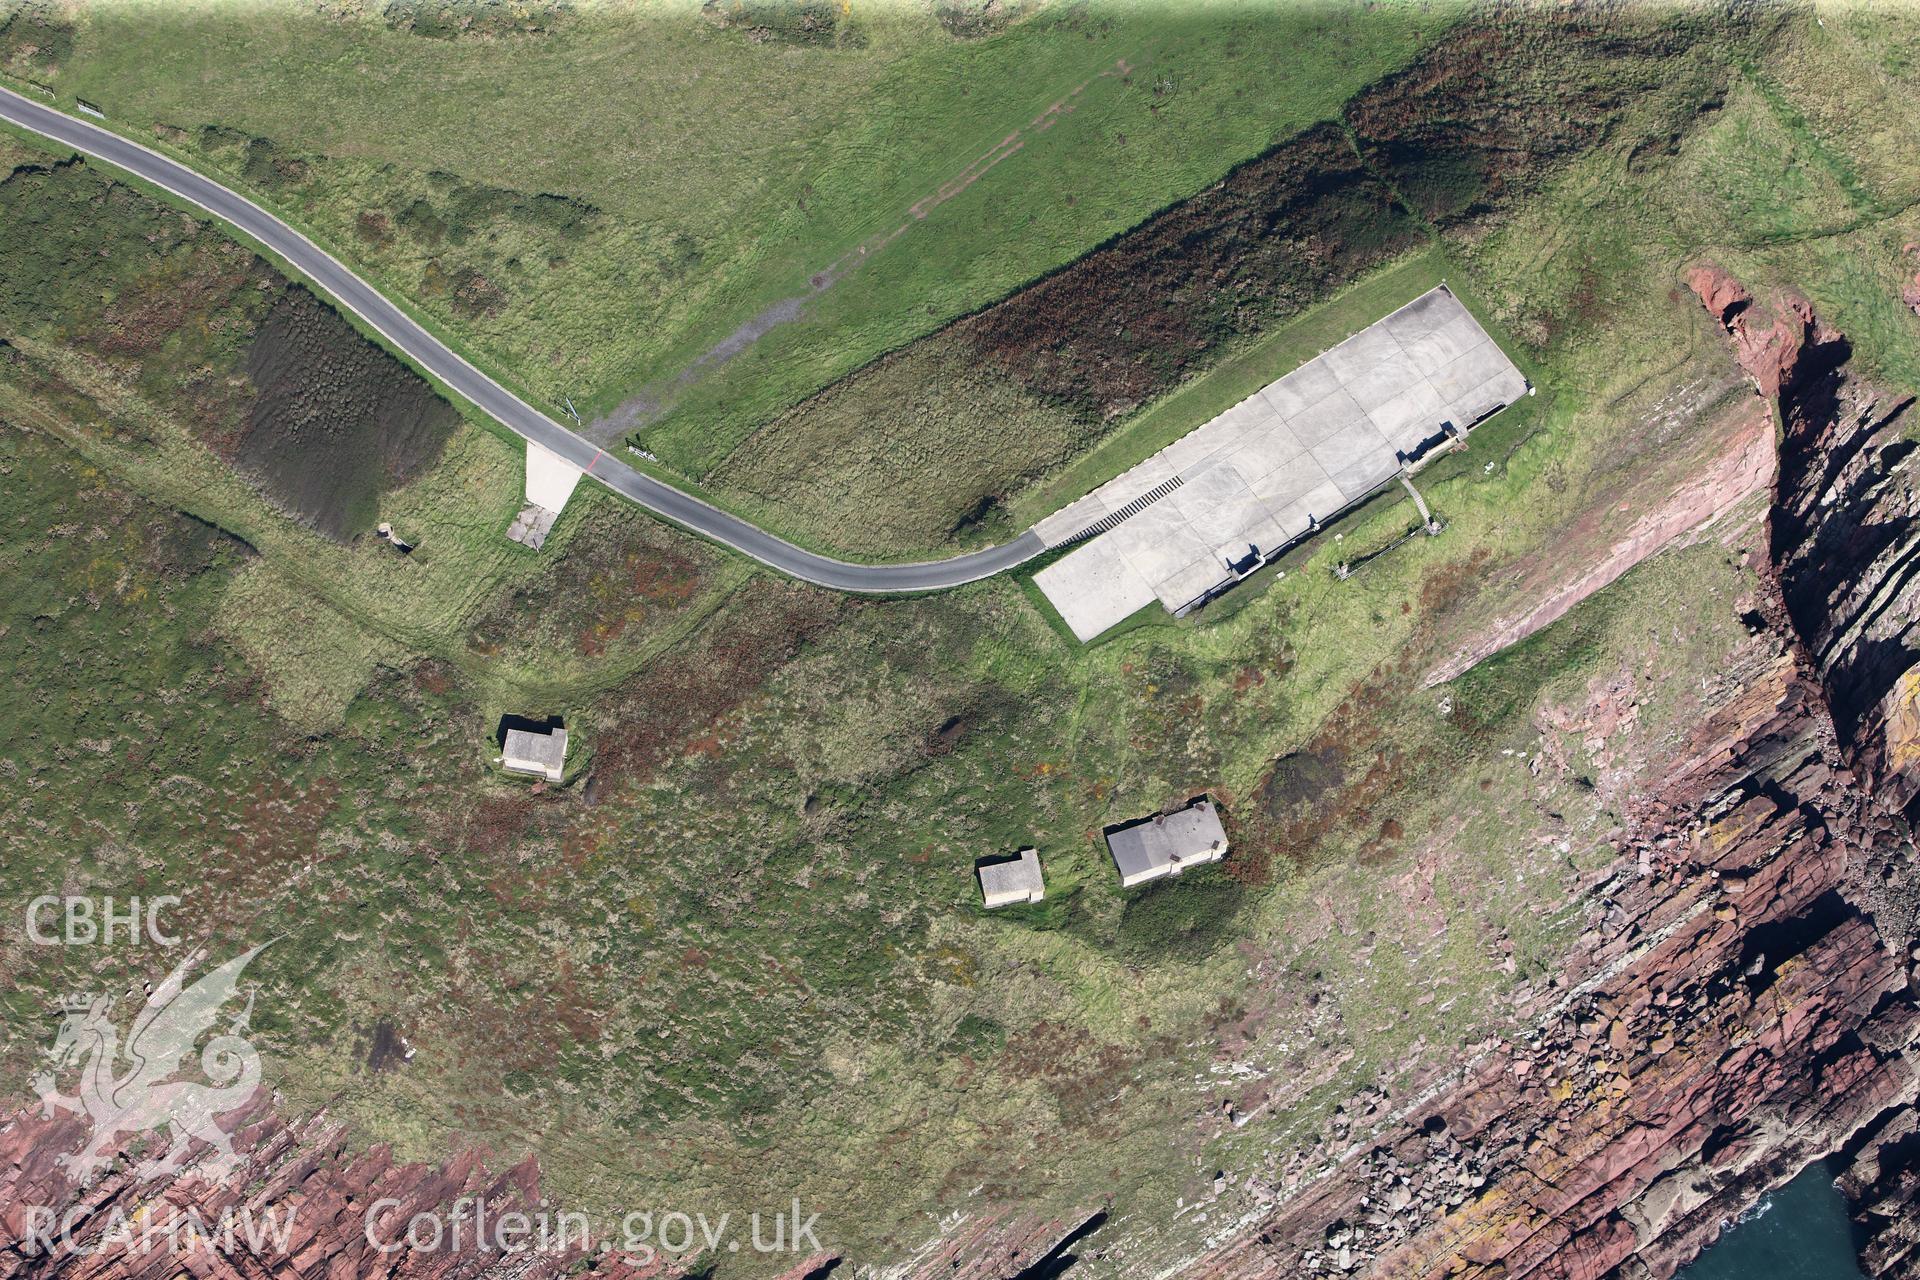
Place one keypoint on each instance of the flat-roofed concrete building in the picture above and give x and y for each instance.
(1167, 843)
(1237, 491)
(1014, 880)
(541, 754)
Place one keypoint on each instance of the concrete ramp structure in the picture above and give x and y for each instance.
(1236, 492)
(550, 482)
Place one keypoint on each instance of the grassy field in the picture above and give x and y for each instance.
(667, 176)
(884, 459)
(747, 962)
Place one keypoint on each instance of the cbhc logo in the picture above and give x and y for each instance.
(80, 921)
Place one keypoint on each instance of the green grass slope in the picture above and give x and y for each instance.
(593, 199)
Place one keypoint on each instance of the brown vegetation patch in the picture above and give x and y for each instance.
(36, 38)
(434, 677)
(947, 736)
(1301, 780)
(1128, 321)
(469, 293)
(1494, 107)
(374, 227)
(385, 1048)
(804, 22)
(279, 823)
(178, 546)
(1337, 780)
(493, 824)
(1446, 584)
(337, 419)
(622, 572)
(138, 321)
(971, 19)
(1081, 1073)
(516, 1022)
(265, 835)
(475, 19)
(662, 711)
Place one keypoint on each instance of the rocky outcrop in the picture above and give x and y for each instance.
(1730, 1015)
(1718, 291)
(1001, 1245)
(1769, 337)
(1846, 536)
(1881, 1179)
(304, 1202)
(1672, 505)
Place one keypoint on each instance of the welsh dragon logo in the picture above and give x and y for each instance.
(130, 1089)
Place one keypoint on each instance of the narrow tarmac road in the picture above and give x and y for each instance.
(355, 294)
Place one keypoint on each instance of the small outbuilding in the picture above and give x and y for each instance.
(1012, 880)
(1167, 843)
(542, 753)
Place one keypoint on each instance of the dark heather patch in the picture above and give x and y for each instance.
(387, 1050)
(336, 420)
(476, 19)
(798, 22)
(1488, 112)
(36, 39)
(972, 19)
(1127, 322)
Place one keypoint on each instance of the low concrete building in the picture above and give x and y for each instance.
(1002, 884)
(541, 754)
(1167, 843)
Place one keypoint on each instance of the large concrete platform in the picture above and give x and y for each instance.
(1234, 493)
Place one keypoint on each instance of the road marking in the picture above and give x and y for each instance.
(596, 458)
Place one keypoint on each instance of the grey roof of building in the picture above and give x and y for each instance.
(545, 749)
(1160, 841)
(1016, 875)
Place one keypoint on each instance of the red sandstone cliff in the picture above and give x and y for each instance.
(1743, 1001)
(1741, 1004)
(1730, 1016)
(316, 1207)
(301, 1177)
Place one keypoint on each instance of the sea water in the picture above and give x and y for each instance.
(1800, 1232)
